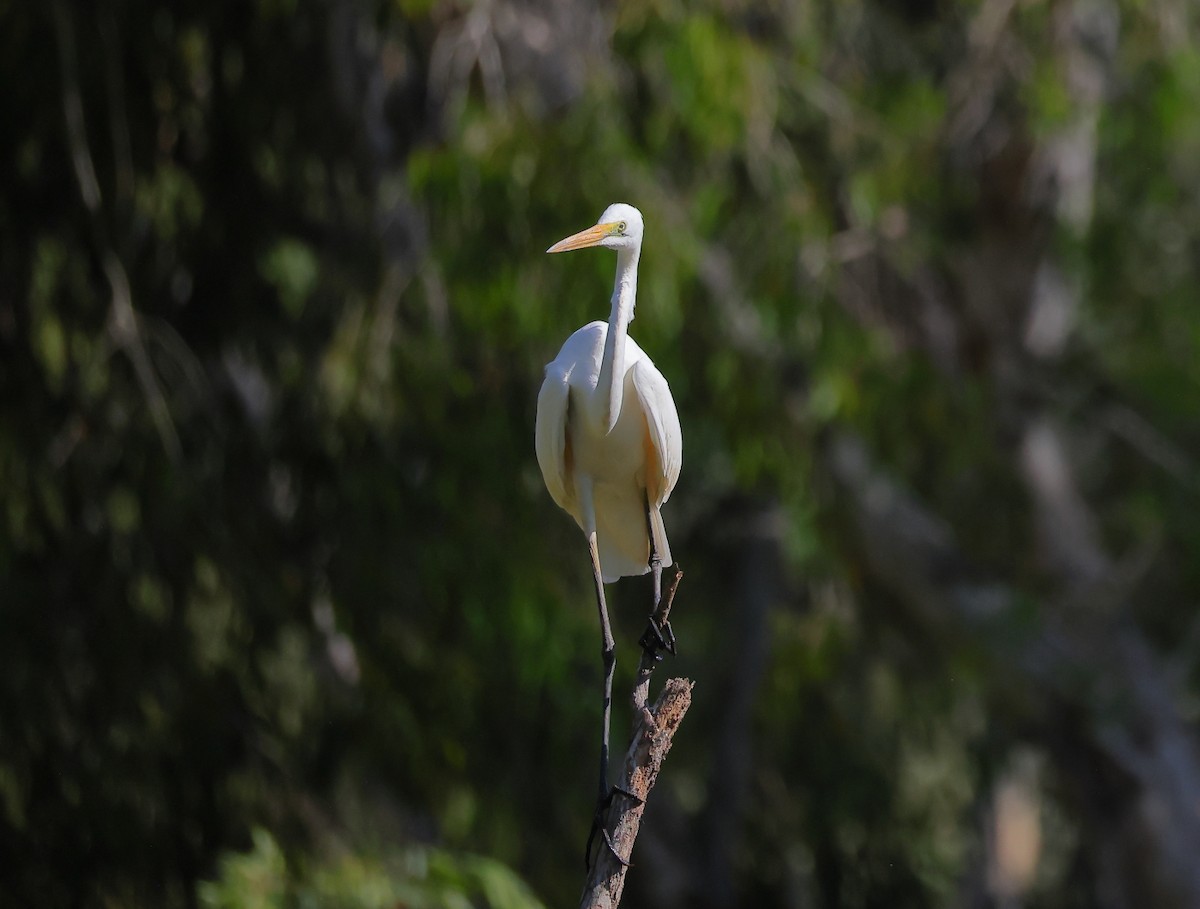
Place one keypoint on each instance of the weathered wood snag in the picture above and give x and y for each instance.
(653, 732)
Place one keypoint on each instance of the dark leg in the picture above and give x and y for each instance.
(655, 639)
(608, 653)
(597, 824)
(655, 560)
(600, 823)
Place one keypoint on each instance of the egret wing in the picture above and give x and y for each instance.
(551, 439)
(662, 426)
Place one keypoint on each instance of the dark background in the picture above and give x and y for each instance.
(287, 617)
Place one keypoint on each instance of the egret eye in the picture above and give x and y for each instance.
(621, 228)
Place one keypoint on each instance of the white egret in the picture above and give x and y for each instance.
(608, 440)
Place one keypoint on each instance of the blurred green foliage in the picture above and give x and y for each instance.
(420, 878)
(274, 550)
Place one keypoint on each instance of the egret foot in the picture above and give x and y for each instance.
(600, 824)
(657, 638)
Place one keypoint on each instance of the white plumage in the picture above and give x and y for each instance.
(610, 448)
(608, 437)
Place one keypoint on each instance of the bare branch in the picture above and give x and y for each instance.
(654, 729)
(123, 319)
(651, 742)
(641, 691)
(126, 332)
(81, 157)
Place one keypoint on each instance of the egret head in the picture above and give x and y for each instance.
(620, 227)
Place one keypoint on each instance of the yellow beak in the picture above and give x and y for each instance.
(589, 237)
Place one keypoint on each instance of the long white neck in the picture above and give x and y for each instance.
(611, 384)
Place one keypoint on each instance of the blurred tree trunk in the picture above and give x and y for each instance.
(757, 569)
(1089, 689)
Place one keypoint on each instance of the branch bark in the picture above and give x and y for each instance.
(654, 730)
